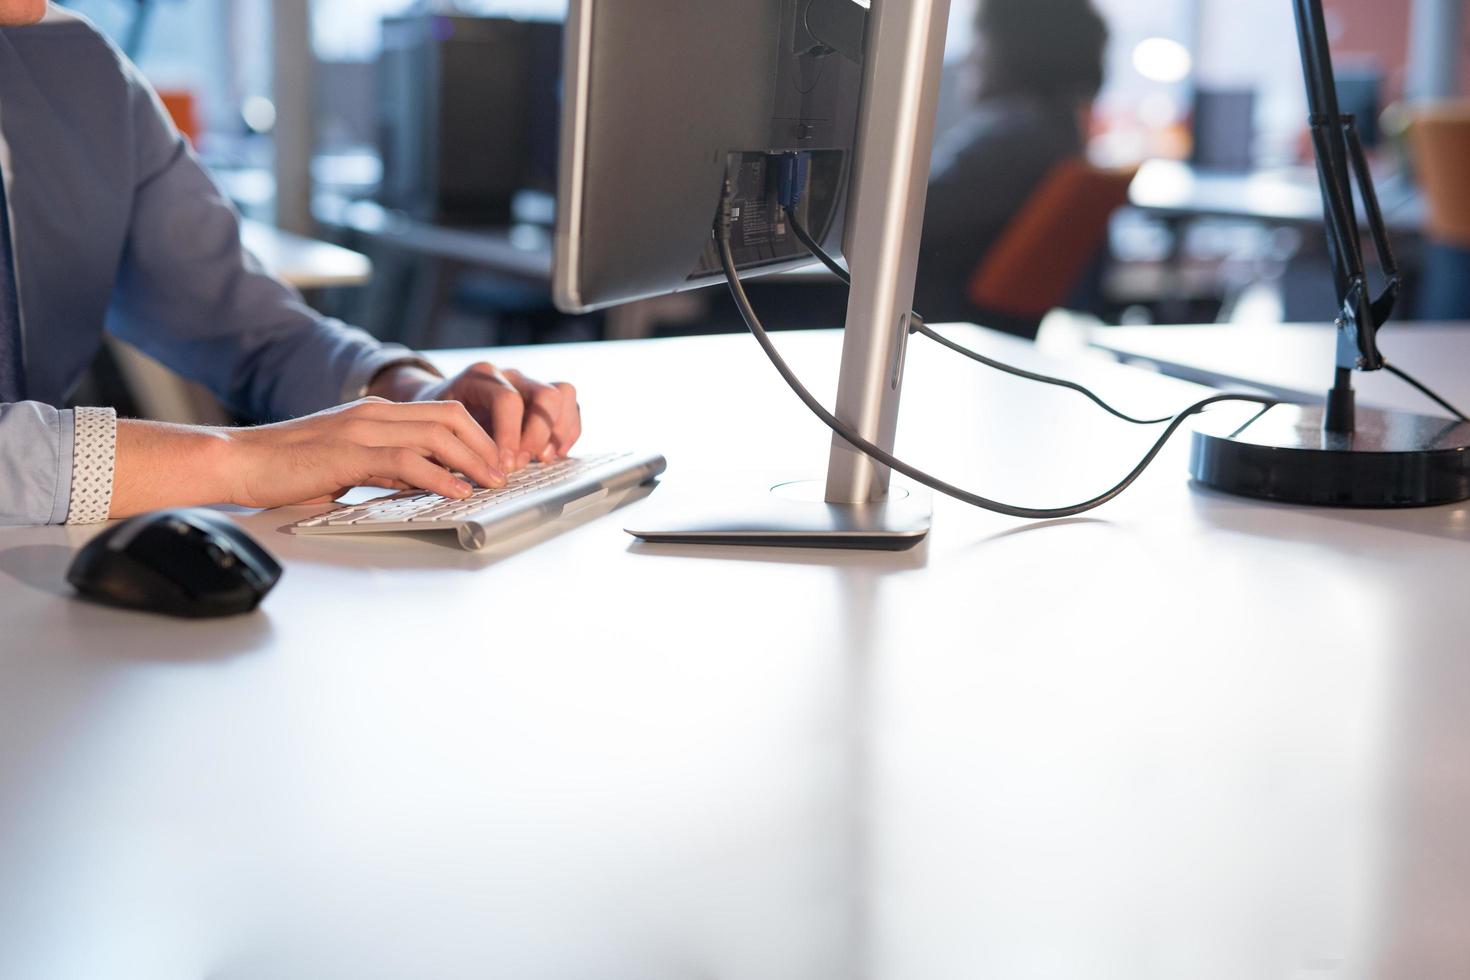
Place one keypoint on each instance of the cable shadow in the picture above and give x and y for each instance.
(1036, 526)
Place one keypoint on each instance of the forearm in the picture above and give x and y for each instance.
(160, 465)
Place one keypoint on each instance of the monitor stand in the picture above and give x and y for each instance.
(903, 61)
(791, 515)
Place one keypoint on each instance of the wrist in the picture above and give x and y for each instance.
(162, 465)
(218, 460)
(228, 455)
(403, 383)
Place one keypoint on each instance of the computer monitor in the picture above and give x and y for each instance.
(467, 114)
(673, 98)
(663, 103)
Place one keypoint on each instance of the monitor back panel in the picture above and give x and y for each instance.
(664, 101)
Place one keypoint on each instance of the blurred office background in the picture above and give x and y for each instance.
(315, 115)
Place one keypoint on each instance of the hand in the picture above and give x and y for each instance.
(372, 442)
(527, 420)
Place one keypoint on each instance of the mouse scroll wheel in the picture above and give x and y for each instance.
(220, 556)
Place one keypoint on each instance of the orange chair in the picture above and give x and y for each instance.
(183, 109)
(1440, 136)
(1441, 141)
(1044, 251)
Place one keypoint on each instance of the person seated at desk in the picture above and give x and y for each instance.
(1038, 66)
(107, 220)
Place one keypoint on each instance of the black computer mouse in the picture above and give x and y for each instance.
(194, 563)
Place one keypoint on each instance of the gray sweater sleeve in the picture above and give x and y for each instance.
(190, 295)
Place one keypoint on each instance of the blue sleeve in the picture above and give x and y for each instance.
(192, 297)
(35, 464)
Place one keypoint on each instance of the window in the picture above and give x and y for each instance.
(218, 52)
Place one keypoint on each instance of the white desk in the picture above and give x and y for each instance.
(304, 262)
(1296, 360)
(1190, 737)
(1291, 196)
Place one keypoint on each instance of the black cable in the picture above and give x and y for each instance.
(927, 331)
(1424, 390)
(920, 327)
(737, 290)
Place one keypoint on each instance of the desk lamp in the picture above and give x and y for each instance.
(1336, 454)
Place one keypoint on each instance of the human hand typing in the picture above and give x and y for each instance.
(527, 419)
(372, 442)
(414, 433)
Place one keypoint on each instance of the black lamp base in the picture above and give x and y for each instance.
(1391, 459)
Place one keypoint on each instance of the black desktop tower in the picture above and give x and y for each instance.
(469, 113)
(1224, 130)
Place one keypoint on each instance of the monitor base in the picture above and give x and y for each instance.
(795, 515)
(1392, 459)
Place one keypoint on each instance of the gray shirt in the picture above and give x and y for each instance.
(985, 168)
(117, 228)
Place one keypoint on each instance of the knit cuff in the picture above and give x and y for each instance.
(94, 459)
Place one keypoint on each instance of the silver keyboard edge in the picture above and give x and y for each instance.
(614, 476)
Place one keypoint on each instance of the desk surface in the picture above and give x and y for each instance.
(304, 262)
(1191, 736)
(522, 252)
(1286, 196)
(1296, 360)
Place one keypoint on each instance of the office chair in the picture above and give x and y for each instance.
(1044, 252)
(1440, 136)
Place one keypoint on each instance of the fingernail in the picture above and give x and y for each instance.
(525, 459)
(462, 488)
(507, 460)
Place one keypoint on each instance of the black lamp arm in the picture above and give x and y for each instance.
(1340, 159)
(1383, 306)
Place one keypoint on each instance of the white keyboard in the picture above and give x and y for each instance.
(536, 495)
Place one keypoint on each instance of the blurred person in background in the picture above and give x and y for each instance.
(1037, 67)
